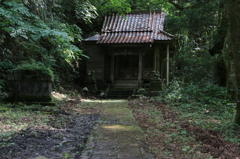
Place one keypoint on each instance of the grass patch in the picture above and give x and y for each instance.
(20, 117)
(197, 122)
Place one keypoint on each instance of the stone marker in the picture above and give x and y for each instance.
(31, 86)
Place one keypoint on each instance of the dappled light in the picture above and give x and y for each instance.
(118, 128)
(102, 101)
(185, 131)
(59, 96)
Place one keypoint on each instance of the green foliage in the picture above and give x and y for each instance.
(35, 66)
(186, 148)
(186, 14)
(194, 63)
(150, 5)
(199, 97)
(111, 6)
(205, 105)
(85, 11)
(200, 29)
(42, 32)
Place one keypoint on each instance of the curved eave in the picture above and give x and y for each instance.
(133, 37)
(92, 38)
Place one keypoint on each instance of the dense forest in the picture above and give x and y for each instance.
(47, 35)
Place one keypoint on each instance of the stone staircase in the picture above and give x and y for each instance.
(122, 89)
(125, 83)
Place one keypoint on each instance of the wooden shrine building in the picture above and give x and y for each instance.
(128, 49)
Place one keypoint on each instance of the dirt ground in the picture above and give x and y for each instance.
(65, 134)
(68, 130)
(171, 137)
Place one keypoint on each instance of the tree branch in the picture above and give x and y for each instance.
(179, 6)
(176, 5)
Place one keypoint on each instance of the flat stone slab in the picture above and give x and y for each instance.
(116, 135)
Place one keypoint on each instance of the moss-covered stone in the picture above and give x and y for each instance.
(155, 85)
(42, 100)
(31, 87)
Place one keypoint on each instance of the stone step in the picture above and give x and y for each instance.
(119, 94)
(125, 83)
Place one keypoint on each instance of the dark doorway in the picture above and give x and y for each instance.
(126, 66)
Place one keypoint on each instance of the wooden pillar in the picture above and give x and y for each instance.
(157, 58)
(154, 59)
(140, 71)
(117, 63)
(112, 70)
(167, 58)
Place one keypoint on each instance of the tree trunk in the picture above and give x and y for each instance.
(233, 12)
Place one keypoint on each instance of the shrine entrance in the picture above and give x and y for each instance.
(126, 67)
(128, 49)
(124, 70)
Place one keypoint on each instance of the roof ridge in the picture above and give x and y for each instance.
(134, 27)
(122, 31)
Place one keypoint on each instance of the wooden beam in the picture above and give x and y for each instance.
(140, 71)
(167, 58)
(112, 70)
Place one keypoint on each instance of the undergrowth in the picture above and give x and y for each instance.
(204, 104)
(189, 120)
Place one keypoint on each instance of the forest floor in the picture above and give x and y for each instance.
(61, 131)
(171, 136)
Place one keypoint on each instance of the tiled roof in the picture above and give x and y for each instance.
(92, 38)
(133, 28)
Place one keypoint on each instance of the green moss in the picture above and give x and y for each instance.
(42, 103)
(117, 112)
(42, 100)
(34, 66)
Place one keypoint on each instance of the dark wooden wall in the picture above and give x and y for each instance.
(96, 60)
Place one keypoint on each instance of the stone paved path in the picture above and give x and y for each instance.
(116, 135)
